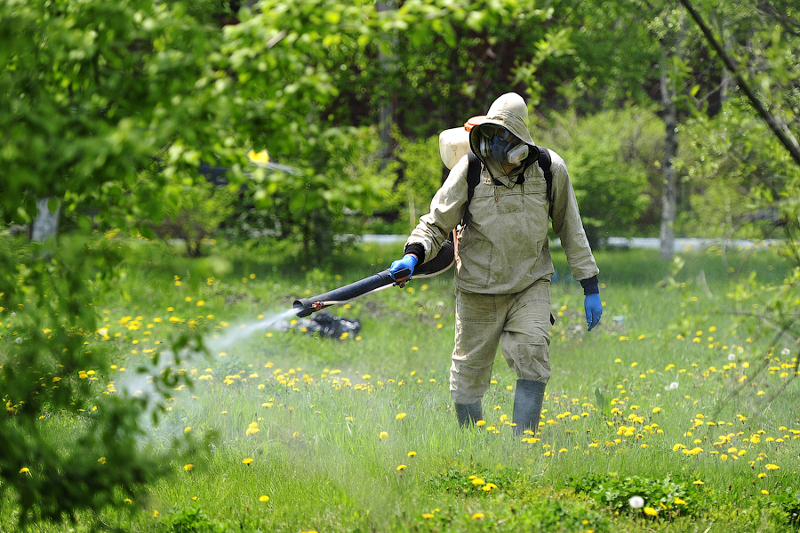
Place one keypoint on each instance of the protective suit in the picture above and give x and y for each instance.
(503, 263)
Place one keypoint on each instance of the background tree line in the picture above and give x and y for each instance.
(109, 111)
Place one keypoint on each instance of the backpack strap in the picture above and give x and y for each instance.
(473, 178)
(544, 162)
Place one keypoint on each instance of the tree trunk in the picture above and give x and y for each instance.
(669, 197)
(46, 223)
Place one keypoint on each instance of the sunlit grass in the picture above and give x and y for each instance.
(359, 433)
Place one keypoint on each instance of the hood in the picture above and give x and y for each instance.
(508, 111)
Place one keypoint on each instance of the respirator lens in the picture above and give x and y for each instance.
(489, 131)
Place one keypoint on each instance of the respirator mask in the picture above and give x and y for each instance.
(495, 142)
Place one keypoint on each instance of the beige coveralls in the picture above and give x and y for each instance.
(503, 263)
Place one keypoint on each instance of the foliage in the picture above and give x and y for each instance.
(204, 209)
(48, 369)
(675, 497)
(613, 161)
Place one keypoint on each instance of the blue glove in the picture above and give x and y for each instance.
(407, 263)
(594, 309)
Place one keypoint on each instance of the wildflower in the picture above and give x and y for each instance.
(478, 481)
(24, 470)
(383, 435)
(263, 499)
(679, 501)
(412, 453)
(427, 516)
(127, 500)
(772, 467)
(102, 460)
(649, 511)
(155, 514)
(247, 461)
(480, 423)
(477, 516)
(698, 482)
(488, 487)
(400, 468)
(400, 416)
(765, 492)
(252, 428)
(636, 502)
(188, 429)
(188, 468)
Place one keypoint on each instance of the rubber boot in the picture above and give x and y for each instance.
(527, 405)
(468, 414)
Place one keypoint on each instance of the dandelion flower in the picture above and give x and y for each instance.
(480, 423)
(478, 481)
(771, 467)
(636, 502)
(383, 435)
(24, 470)
(127, 500)
(698, 482)
(765, 492)
(401, 468)
(263, 499)
(679, 501)
(187, 430)
(187, 468)
(412, 453)
(427, 516)
(248, 461)
(649, 511)
(477, 516)
(102, 460)
(400, 416)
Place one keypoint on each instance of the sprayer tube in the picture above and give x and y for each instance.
(306, 306)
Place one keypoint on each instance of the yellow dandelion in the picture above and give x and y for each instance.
(427, 516)
(772, 467)
(24, 470)
(188, 468)
(649, 511)
(761, 475)
(187, 430)
(263, 499)
(400, 416)
(477, 516)
(248, 461)
(765, 492)
(478, 481)
(480, 423)
(102, 460)
(679, 501)
(412, 454)
(383, 435)
(401, 468)
(127, 500)
(698, 482)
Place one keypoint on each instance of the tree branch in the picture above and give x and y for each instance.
(729, 64)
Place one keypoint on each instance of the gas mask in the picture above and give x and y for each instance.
(495, 142)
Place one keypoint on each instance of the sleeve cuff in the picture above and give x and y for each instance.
(416, 249)
(590, 286)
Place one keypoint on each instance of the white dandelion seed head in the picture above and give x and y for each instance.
(785, 351)
(731, 357)
(636, 502)
(13, 314)
(671, 386)
(18, 340)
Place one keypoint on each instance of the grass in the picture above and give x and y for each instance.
(357, 434)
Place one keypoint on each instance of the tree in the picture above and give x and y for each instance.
(764, 169)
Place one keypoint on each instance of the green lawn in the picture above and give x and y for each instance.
(358, 434)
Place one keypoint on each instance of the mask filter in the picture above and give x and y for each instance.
(500, 150)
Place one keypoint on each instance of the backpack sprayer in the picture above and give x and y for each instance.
(453, 145)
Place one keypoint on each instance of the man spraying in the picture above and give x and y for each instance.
(503, 263)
